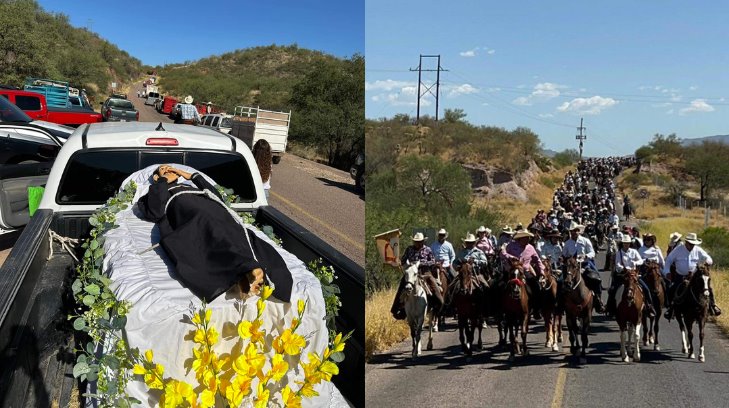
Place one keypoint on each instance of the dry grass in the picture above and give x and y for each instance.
(720, 283)
(381, 329)
(307, 152)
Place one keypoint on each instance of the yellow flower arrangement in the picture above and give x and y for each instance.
(229, 377)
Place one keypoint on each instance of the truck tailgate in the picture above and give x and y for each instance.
(123, 115)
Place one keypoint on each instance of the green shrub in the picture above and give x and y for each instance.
(716, 243)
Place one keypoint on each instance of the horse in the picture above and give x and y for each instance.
(515, 305)
(577, 300)
(468, 300)
(415, 299)
(653, 279)
(629, 315)
(548, 308)
(495, 288)
(691, 305)
(440, 315)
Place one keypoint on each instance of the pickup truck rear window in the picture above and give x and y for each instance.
(92, 176)
(121, 104)
(28, 103)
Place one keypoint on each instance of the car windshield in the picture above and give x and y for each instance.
(11, 113)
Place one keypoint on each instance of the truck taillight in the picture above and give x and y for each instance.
(137, 115)
(162, 141)
(108, 112)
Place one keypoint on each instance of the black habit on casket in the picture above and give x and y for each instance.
(208, 247)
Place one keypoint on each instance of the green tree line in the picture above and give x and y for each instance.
(36, 43)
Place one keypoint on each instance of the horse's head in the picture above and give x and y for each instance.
(701, 279)
(571, 273)
(411, 276)
(652, 271)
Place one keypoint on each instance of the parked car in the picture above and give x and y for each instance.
(152, 98)
(220, 122)
(357, 171)
(36, 106)
(119, 110)
(12, 114)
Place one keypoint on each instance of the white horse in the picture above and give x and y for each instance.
(416, 305)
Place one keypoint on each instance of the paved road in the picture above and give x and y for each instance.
(547, 379)
(316, 196)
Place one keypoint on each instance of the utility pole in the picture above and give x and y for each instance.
(428, 88)
(581, 136)
(89, 24)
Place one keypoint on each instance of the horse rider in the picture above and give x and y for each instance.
(504, 237)
(537, 240)
(614, 219)
(686, 258)
(675, 240)
(579, 245)
(418, 251)
(444, 253)
(522, 250)
(471, 253)
(650, 251)
(552, 249)
(486, 242)
(628, 258)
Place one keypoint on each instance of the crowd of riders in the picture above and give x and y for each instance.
(582, 220)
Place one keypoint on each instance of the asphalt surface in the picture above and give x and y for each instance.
(320, 198)
(442, 377)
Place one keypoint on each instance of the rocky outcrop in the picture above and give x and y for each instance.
(491, 182)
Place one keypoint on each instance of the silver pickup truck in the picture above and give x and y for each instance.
(118, 110)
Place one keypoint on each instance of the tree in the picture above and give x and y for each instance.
(566, 157)
(454, 115)
(708, 163)
(643, 154)
(435, 185)
(329, 109)
(666, 146)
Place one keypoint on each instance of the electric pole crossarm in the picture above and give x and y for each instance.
(428, 88)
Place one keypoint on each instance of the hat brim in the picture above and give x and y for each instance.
(694, 241)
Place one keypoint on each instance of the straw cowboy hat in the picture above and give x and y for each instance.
(625, 239)
(675, 237)
(507, 230)
(523, 234)
(554, 233)
(647, 235)
(442, 231)
(188, 99)
(691, 238)
(481, 229)
(469, 238)
(575, 226)
(419, 237)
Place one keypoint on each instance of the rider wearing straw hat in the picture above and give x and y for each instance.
(522, 250)
(552, 249)
(418, 251)
(628, 258)
(486, 242)
(504, 237)
(686, 258)
(578, 245)
(444, 252)
(675, 240)
(471, 253)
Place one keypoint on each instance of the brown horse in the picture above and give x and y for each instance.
(653, 278)
(691, 304)
(439, 318)
(577, 300)
(629, 315)
(468, 300)
(515, 305)
(548, 307)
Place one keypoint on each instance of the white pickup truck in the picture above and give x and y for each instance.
(36, 340)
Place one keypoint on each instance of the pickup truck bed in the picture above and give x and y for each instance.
(37, 341)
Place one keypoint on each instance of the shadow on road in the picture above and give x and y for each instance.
(351, 188)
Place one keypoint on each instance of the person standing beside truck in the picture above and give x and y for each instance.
(264, 160)
(187, 114)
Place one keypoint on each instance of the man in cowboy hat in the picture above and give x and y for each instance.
(471, 253)
(686, 258)
(444, 253)
(187, 113)
(485, 242)
(418, 251)
(628, 258)
(578, 245)
(552, 249)
(522, 250)
(675, 240)
(504, 237)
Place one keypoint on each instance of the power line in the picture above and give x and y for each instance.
(428, 88)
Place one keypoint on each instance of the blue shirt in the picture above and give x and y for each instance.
(443, 252)
(189, 112)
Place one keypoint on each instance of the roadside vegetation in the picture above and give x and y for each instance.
(416, 180)
(695, 177)
(39, 44)
(325, 94)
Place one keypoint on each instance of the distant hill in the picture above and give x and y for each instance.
(549, 153)
(256, 76)
(36, 43)
(718, 138)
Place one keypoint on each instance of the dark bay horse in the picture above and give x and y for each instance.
(468, 299)
(691, 304)
(577, 300)
(629, 315)
(548, 308)
(439, 318)
(653, 278)
(515, 305)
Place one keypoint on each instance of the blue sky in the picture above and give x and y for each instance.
(631, 69)
(167, 32)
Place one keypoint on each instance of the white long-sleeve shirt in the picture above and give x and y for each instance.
(581, 246)
(552, 252)
(685, 260)
(629, 259)
(443, 252)
(652, 254)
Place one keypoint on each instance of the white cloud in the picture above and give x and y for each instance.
(485, 104)
(469, 53)
(546, 115)
(697, 105)
(386, 85)
(491, 52)
(693, 88)
(542, 92)
(458, 90)
(587, 106)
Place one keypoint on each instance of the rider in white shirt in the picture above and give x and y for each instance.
(628, 258)
(578, 245)
(649, 251)
(444, 252)
(686, 258)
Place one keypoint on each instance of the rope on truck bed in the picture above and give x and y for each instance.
(66, 243)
